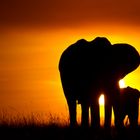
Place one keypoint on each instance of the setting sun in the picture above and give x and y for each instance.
(122, 83)
(101, 100)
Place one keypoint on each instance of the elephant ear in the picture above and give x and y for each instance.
(126, 58)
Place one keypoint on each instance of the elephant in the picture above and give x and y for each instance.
(88, 68)
(130, 104)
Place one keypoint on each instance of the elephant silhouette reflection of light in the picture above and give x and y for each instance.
(88, 68)
(130, 105)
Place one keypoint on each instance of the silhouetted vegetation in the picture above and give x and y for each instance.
(28, 128)
(64, 132)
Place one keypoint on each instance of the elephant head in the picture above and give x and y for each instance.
(87, 68)
(126, 59)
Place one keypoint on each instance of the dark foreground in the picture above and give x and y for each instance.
(51, 132)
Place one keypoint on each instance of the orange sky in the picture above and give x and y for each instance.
(34, 33)
(60, 13)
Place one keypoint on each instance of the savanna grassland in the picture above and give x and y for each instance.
(32, 127)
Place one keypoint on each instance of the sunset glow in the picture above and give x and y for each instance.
(33, 35)
(29, 73)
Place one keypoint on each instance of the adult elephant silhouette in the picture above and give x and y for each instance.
(89, 68)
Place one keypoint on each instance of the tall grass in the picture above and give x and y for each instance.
(36, 126)
(32, 119)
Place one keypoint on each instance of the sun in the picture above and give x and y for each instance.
(101, 100)
(122, 83)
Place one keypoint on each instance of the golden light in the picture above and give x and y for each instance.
(122, 83)
(101, 100)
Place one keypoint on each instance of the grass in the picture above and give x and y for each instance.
(33, 127)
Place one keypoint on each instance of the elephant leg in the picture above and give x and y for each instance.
(95, 115)
(108, 111)
(118, 113)
(85, 114)
(72, 112)
(70, 97)
(133, 120)
(133, 115)
(112, 99)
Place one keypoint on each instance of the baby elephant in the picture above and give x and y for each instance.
(130, 104)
